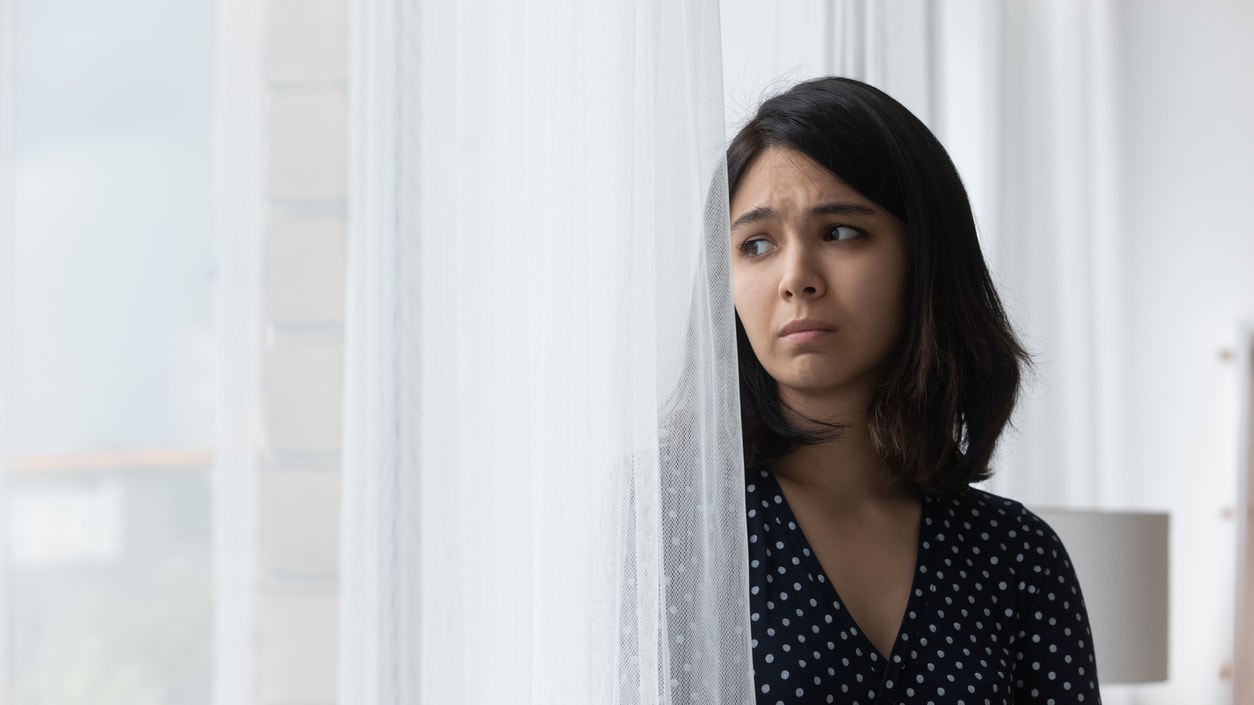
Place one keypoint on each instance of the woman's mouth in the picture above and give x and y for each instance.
(804, 330)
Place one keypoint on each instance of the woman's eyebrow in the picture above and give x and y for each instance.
(755, 215)
(840, 208)
(761, 213)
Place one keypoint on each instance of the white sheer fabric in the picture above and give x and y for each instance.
(893, 45)
(544, 486)
(240, 204)
(6, 272)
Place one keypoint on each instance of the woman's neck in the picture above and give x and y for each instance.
(846, 467)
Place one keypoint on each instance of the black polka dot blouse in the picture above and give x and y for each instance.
(994, 616)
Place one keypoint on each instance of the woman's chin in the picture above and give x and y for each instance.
(820, 396)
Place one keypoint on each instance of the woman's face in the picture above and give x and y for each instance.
(818, 273)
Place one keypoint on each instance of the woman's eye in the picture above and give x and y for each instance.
(843, 232)
(755, 248)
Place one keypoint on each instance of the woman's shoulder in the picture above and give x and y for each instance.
(1001, 522)
(980, 506)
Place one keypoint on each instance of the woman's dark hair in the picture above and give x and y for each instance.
(952, 387)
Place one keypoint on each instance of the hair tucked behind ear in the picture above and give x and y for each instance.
(953, 385)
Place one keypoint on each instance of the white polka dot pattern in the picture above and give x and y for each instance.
(995, 613)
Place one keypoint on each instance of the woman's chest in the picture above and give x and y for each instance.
(807, 648)
(869, 561)
(952, 638)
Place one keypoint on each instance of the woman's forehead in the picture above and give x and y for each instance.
(786, 180)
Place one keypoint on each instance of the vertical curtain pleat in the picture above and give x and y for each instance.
(1059, 256)
(544, 486)
(374, 622)
(238, 239)
(7, 190)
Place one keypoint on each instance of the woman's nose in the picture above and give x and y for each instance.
(801, 277)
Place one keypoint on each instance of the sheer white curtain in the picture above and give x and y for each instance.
(543, 479)
(240, 210)
(6, 326)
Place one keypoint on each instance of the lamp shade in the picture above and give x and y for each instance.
(1121, 561)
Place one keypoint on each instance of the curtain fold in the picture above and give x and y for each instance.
(1040, 165)
(240, 204)
(543, 475)
(7, 74)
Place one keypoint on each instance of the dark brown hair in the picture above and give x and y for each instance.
(951, 389)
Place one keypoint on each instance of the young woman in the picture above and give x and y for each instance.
(877, 371)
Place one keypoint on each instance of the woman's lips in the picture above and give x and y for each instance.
(805, 330)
